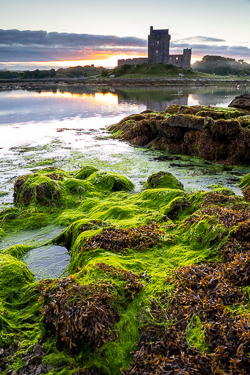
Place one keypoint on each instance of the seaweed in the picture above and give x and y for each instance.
(144, 237)
(84, 315)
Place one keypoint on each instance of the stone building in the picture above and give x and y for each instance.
(158, 52)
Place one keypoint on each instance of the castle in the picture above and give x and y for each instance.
(158, 52)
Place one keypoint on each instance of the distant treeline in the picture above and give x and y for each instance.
(222, 66)
(90, 71)
(78, 71)
(209, 64)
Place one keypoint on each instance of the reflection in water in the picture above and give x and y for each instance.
(158, 99)
(65, 128)
(67, 102)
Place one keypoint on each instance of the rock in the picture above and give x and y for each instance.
(221, 135)
(38, 350)
(183, 109)
(37, 189)
(176, 207)
(39, 370)
(242, 101)
(163, 180)
(110, 181)
(85, 172)
(188, 121)
(14, 274)
(147, 111)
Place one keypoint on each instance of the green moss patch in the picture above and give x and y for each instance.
(163, 180)
(195, 333)
(13, 274)
(85, 172)
(110, 181)
(245, 182)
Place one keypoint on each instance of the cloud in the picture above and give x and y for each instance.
(199, 39)
(202, 49)
(16, 45)
(41, 46)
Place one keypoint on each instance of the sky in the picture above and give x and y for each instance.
(52, 33)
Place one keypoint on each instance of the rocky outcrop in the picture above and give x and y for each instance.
(242, 101)
(216, 134)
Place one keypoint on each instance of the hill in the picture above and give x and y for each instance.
(151, 70)
(221, 66)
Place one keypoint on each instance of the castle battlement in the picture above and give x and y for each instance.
(158, 51)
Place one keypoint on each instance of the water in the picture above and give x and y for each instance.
(65, 128)
(47, 261)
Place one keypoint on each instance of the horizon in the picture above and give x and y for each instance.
(77, 63)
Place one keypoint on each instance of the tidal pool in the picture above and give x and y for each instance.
(47, 261)
(66, 128)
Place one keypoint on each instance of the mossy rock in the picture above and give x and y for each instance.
(163, 180)
(85, 172)
(14, 274)
(38, 189)
(16, 251)
(13, 218)
(77, 186)
(175, 208)
(244, 121)
(109, 181)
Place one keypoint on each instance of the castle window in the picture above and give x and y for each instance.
(156, 51)
(158, 42)
(177, 58)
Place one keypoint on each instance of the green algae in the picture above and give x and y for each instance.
(110, 181)
(13, 273)
(245, 182)
(16, 251)
(163, 180)
(195, 335)
(87, 206)
(85, 172)
(41, 163)
(58, 359)
(20, 319)
(37, 189)
(177, 208)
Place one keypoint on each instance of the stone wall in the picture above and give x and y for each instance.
(176, 60)
(140, 60)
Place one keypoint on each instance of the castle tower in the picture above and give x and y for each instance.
(158, 46)
(186, 62)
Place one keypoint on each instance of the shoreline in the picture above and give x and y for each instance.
(117, 82)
